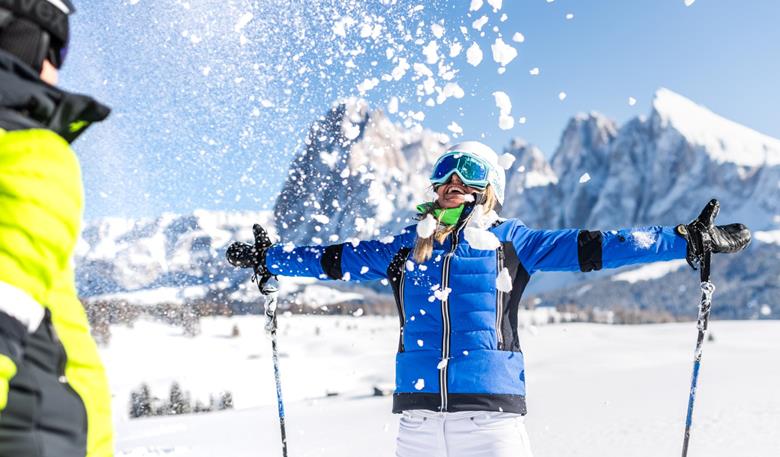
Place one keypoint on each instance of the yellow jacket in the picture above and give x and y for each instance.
(41, 203)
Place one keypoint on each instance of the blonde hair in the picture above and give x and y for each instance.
(423, 248)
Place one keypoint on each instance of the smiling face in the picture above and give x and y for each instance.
(453, 193)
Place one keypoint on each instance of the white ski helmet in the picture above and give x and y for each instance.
(496, 176)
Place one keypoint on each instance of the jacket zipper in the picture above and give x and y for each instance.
(445, 314)
(499, 299)
(401, 303)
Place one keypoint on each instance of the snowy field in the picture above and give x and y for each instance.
(594, 390)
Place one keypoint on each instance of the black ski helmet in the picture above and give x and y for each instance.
(36, 30)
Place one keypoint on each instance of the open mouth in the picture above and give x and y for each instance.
(455, 191)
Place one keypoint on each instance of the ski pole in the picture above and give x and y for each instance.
(270, 290)
(707, 288)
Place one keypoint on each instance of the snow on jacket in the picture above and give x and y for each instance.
(459, 348)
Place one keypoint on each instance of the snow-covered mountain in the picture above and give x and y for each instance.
(361, 175)
(661, 169)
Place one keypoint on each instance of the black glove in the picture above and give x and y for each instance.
(243, 255)
(703, 235)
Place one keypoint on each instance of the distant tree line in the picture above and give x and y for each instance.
(144, 404)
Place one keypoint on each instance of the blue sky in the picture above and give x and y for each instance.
(188, 83)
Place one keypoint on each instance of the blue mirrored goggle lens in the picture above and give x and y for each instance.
(470, 169)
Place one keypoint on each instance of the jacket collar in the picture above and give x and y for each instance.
(27, 102)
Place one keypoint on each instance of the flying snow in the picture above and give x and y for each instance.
(506, 160)
(643, 240)
(474, 54)
(420, 384)
(631, 101)
(455, 128)
(569, 16)
(437, 30)
(481, 239)
(689, 2)
(426, 227)
(561, 96)
(504, 104)
(518, 37)
(479, 23)
(496, 4)
(442, 364)
(584, 178)
(534, 71)
(504, 281)
(502, 52)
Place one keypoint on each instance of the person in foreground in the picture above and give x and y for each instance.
(458, 276)
(54, 397)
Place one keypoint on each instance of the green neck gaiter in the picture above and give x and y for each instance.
(450, 215)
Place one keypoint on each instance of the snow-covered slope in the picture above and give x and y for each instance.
(593, 390)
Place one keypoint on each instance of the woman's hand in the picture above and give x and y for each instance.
(703, 235)
(244, 255)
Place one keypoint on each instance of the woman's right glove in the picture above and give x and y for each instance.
(244, 255)
(703, 235)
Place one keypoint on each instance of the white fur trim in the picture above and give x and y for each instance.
(20, 305)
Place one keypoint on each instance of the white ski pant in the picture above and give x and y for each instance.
(424, 433)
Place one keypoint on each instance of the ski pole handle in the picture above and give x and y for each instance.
(270, 289)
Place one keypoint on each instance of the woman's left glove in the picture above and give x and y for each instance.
(244, 255)
(703, 235)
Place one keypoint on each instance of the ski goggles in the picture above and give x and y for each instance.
(472, 170)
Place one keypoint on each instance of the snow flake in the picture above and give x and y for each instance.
(288, 247)
(584, 178)
(481, 239)
(437, 30)
(631, 101)
(475, 5)
(431, 52)
(420, 384)
(506, 160)
(504, 281)
(345, 173)
(518, 37)
(321, 218)
(358, 312)
(441, 294)
(427, 226)
(422, 312)
(466, 353)
(245, 19)
(496, 4)
(400, 70)
(534, 71)
(392, 106)
(766, 310)
(502, 52)
(561, 96)
(387, 239)
(455, 49)
(522, 120)
(442, 364)
(504, 104)
(346, 277)
(455, 128)
(364, 270)
(479, 23)
(689, 2)
(569, 16)
(643, 240)
(367, 85)
(409, 265)
(474, 54)
(351, 131)
(384, 282)
(420, 343)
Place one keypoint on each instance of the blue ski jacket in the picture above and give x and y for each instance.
(459, 348)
